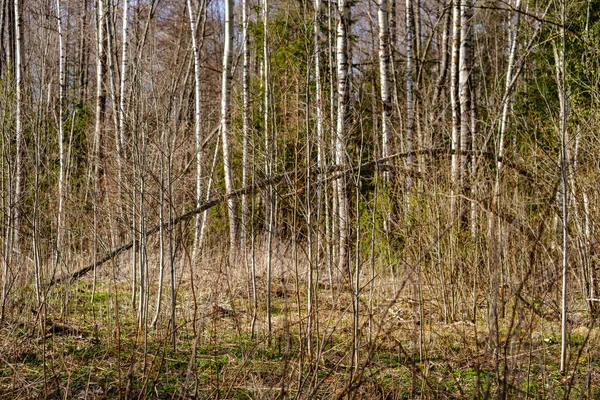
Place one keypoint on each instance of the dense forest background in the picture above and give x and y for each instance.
(299, 198)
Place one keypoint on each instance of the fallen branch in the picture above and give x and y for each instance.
(337, 171)
(183, 217)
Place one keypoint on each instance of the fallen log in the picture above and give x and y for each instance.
(335, 170)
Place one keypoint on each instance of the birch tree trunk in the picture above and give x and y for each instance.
(12, 242)
(122, 96)
(455, 104)
(343, 85)
(506, 99)
(61, 149)
(464, 87)
(320, 165)
(98, 121)
(410, 117)
(18, 129)
(384, 70)
(100, 96)
(266, 105)
(197, 126)
(16, 242)
(331, 219)
(245, 120)
(226, 125)
(559, 59)
(269, 201)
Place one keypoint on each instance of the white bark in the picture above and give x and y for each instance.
(100, 69)
(12, 244)
(266, 105)
(455, 104)
(384, 70)
(226, 123)
(197, 121)
(245, 120)
(331, 223)
(269, 162)
(410, 117)
(61, 148)
(341, 128)
(18, 129)
(506, 99)
(464, 88)
(100, 65)
(318, 88)
(124, 75)
(320, 165)
(559, 59)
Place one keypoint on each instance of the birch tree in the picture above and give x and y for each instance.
(506, 98)
(124, 78)
(560, 70)
(245, 119)
(410, 117)
(320, 165)
(455, 105)
(18, 129)
(12, 243)
(100, 75)
(384, 68)
(61, 149)
(269, 201)
(343, 86)
(464, 88)
(226, 124)
(197, 122)
(98, 120)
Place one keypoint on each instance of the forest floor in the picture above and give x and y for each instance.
(90, 346)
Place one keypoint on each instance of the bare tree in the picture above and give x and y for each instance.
(124, 79)
(245, 119)
(384, 68)
(343, 87)
(269, 200)
(61, 133)
(12, 242)
(559, 60)
(226, 124)
(197, 122)
(98, 118)
(455, 104)
(465, 89)
(410, 113)
(320, 165)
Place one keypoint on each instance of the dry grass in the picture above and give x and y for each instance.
(407, 348)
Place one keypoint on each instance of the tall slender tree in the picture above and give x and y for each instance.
(245, 119)
(343, 97)
(561, 84)
(384, 71)
(465, 89)
(226, 124)
(124, 79)
(455, 104)
(320, 165)
(197, 121)
(61, 133)
(410, 106)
